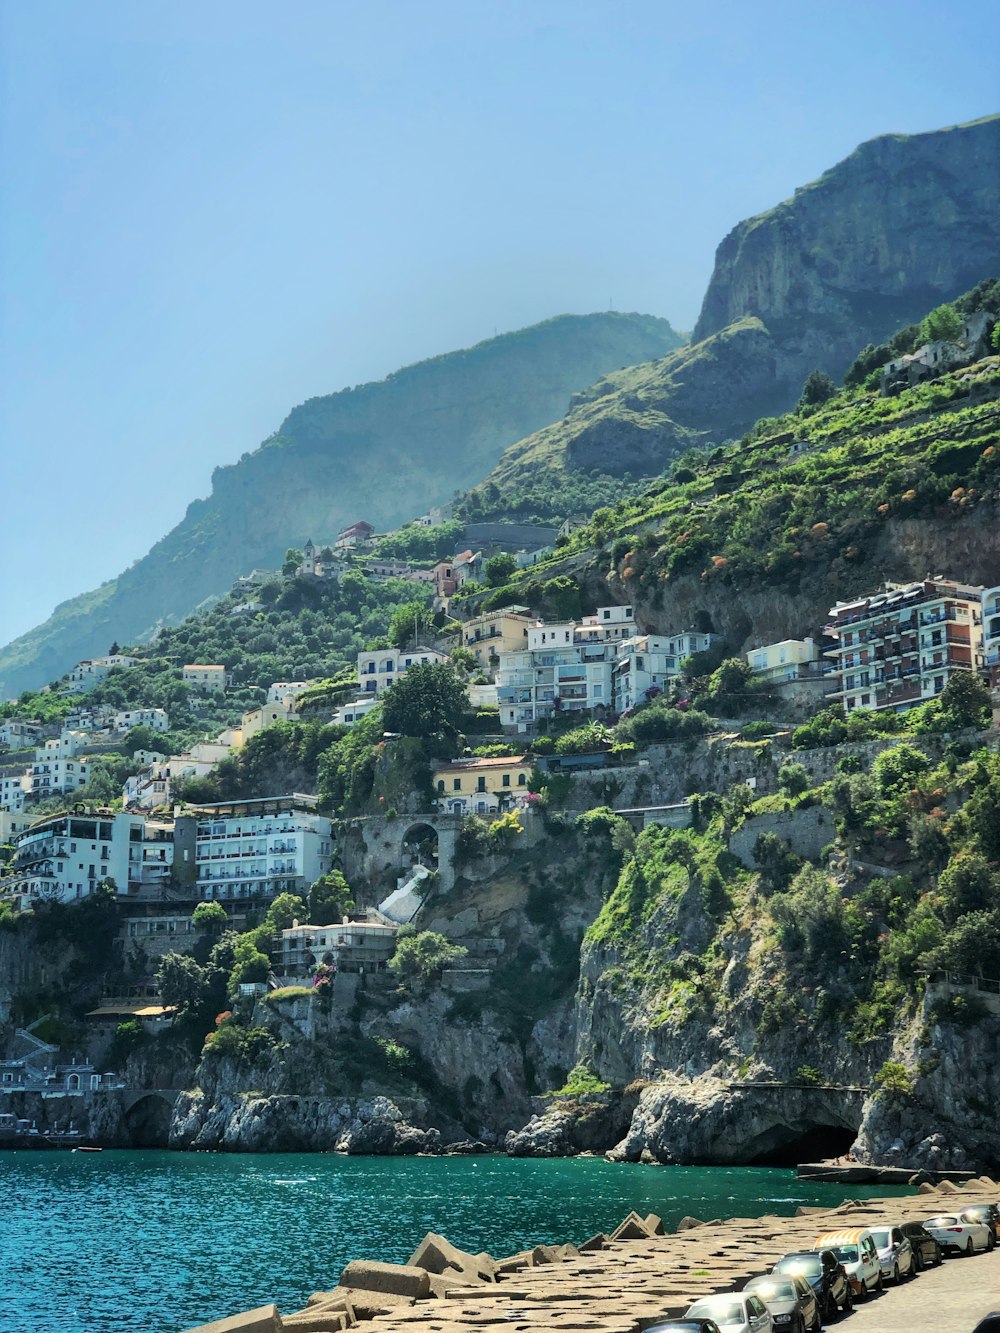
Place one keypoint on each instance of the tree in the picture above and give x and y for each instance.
(818, 388)
(286, 908)
(329, 899)
(181, 982)
(406, 621)
(464, 660)
(793, 779)
(293, 558)
(943, 323)
(499, 568)
(419, 957)
(211, 917)
(965, 700)
(428, 700)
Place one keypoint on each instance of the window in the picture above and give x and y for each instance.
(440, 784)
(456, 784)
(522, 779)
(481, 784)
(506, 779)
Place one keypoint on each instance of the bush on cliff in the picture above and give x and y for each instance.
(419, 958)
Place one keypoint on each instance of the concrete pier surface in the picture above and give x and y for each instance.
(627, 1281)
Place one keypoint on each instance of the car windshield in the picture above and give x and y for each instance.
(773, 1291)
(882, 1240)
(800, 1263)
(731, 1312)
(847, 1254)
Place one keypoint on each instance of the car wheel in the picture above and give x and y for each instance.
(918, 1262)
(991, 1241)
(879, 1285)
(849, 1300)
(863, 1293)
(895, 1275)
(968, 1247)
(938, 1257)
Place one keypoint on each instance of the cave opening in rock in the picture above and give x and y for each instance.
(148, 1122)
(788, 1145)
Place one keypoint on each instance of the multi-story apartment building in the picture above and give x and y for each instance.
(16, 735)
(206, 679)
(481, 786)
(555, 674)
(897, 648)
(258, 849)
(991, 634)
(59, 765)
(347, 946)
(496, 632)
(610, 624)
(381, 668)
(791, 659)
(64, 858)
(15, 784)
(646, 663)
(155, 719)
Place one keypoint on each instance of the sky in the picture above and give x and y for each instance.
(211, 212)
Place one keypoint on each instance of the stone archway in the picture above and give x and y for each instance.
(420, 846)
(147, 1121)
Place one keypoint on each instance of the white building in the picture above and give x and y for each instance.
(258, 849)
(610, 624)
(648, 662)
(98, 717)
(210, 679)
(991, 634)
(88, 674)
(59, 766)
(64, 858)
(555, 674)
(19, 735)
(791, 659)
(346, 946)
(283, 691)
(15, 784)
(347, 714)
(379, 669)
(256, 719)
(154, 718)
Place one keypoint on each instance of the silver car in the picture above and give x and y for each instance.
(895, 1254)
(734, 1312)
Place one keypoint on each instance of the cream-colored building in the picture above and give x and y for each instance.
(258, 718)
(496, 632)
(205, 678)
(481, 786)
(787, 660)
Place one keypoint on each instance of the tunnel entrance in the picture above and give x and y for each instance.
(788, 1145)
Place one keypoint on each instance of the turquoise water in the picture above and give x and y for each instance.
(137, 1242)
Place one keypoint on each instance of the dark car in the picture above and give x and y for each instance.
(791, 1300)
(685, 1326)
(983, 1212)
(825, 1274)
(927, 1253)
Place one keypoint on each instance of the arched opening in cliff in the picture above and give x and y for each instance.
(148, 1122)
(788, 1145)
(420, 847)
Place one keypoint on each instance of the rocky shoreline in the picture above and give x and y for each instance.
(617, 1283)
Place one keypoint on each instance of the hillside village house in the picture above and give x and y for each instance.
(481, 786)
(397, 569)
(208, 679)
(59, 765)
(258, 849)
(897, 648)
(346, 946)
(256, 719)
(65, 857)
(12, 822)
(356, 537)
(284, 690)
(153, 718)
(496, 632)
(19, 735)
(15, 784)
(380, 668)
(941, 356)
(788, 660)
(556, 672)
(647, 663)
(347, 714)
(450, 575)
(610, 624)
(88, 674)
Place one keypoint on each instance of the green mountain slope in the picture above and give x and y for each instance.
(902, 224)
(383, 451)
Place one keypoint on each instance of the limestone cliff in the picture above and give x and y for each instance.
(422, 432)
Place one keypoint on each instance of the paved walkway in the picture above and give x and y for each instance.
(949, 1299)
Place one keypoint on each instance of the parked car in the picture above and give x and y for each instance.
(958, 1237)
(791, 1301)
(825, 1274)
(895, 1254)
(734, 1312)
(983, 1212)
(855, 1248)
(685, 1326)
(927, 1252)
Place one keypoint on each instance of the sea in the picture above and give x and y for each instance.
(155, 1242)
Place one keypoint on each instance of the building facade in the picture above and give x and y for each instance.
(258, 849)
(347, 946)
(791, 659)
(88, 674)
(896, 649)
(646, 664)
(496, 632)
(991, 634)
(481, 786)
(65, 858)
(205, 678)
(379, 669)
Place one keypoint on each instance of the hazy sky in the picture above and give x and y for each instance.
(209, 212)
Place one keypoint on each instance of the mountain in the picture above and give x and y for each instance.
(383, 451)
(904, 223)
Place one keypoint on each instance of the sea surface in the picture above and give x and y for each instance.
(154, 1242)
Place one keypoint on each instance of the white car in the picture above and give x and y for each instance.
(895, 1253)
(958, 1237)
(734, 1312)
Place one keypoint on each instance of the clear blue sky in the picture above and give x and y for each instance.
(209, 212)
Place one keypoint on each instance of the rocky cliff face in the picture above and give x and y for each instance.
(905, 222)
(423, 432)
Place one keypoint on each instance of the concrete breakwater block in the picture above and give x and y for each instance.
(265, 1319)
(392, 1279)
(316, 1321)
(438, 1255)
